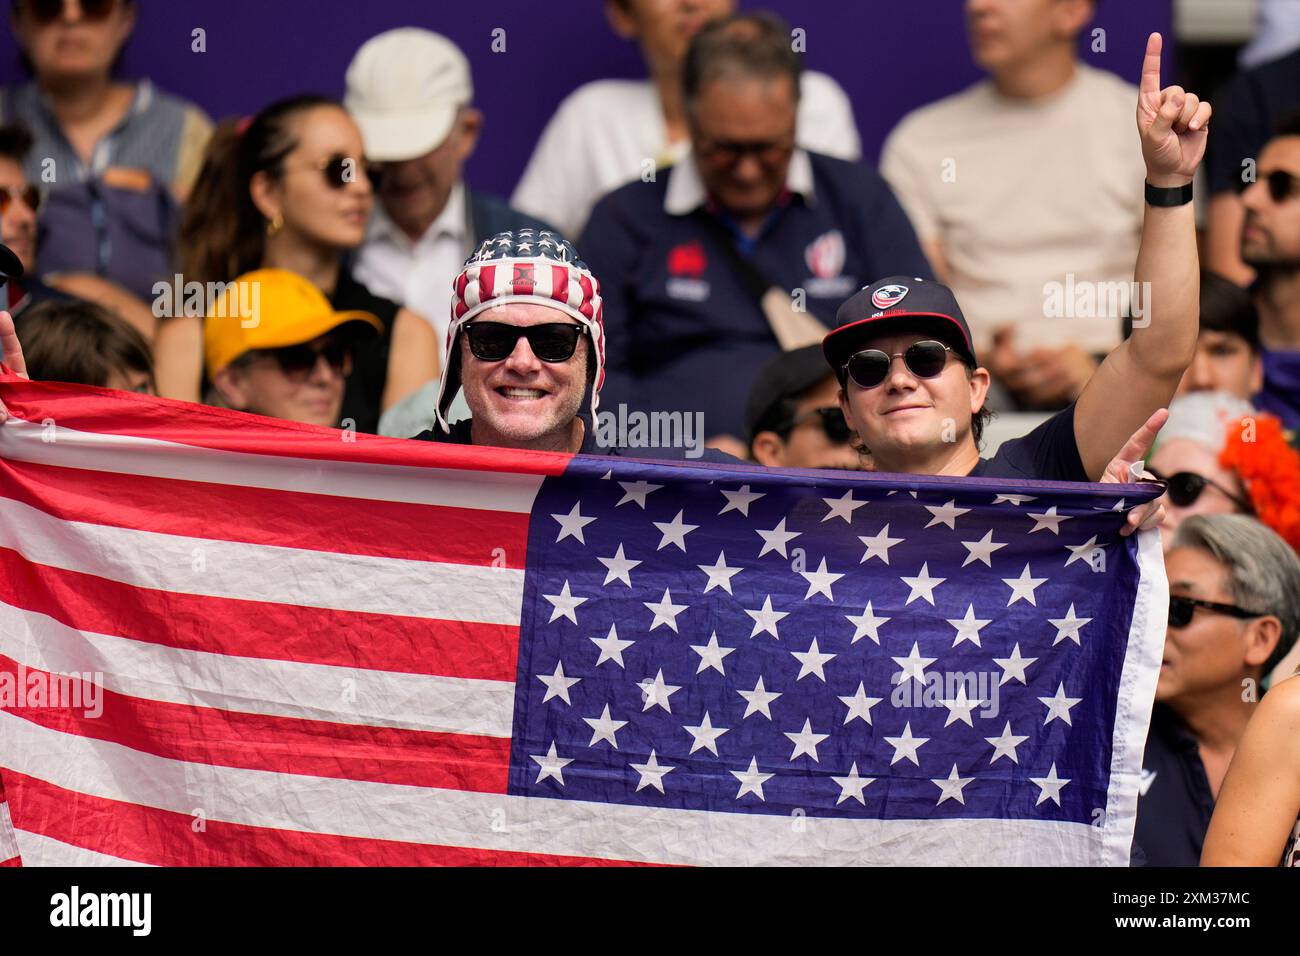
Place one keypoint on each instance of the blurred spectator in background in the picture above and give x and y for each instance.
(1220, 456)
(115, 156)
(1227, 349)
(288, 190)
(1025, 179)
(1247, 113)
(288, 358)
(1277, 33)
(695, 265)
(794, 418)
(20, 201)
(610, 132)
(79, 342)
(410, 92)
(1233, 613)
(1270, 244)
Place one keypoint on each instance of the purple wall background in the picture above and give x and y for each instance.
(890, 56)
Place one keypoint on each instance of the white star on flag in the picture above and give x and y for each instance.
(842, 507)
(913, 665)
(951, 786)
(636, 491)
(617, 567)
(1048, 520)
(758, 700)
(982, 550)
(812, 661)
(852, 785)
(652, 773)
(859, 705)
(557, 685)
(1013, 499)
(656, 692)
(719, 574)
(571, 525)
(674, 532)
(565, 604)
(1059, 705)
(751, 781)
(611, 648)
(705, 735)
(1082, 552)
(765, 619)
(1049, 786)
(1013, 667)
(711, 654)
(1005, 745)
(906, 745)
(960, 707)
(1068, 627)
(552, 765)
(968, 627)
(866, 624)
(922, 585)
(776, 539)
(1023, 587)
(878, 545)
(604, 728)
(739, 500)
(665, 611)
(820, 581)
(945, 514)
(805, 741)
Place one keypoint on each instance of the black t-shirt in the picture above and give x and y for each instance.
(1048, 453)
(1174, 799)
(1245, 112)
(364, 391)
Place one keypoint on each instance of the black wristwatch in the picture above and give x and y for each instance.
(1169, 196)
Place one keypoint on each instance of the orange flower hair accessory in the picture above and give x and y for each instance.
(1269, 468)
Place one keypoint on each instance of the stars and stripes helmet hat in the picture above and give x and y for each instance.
(526, 265)
(897, 304)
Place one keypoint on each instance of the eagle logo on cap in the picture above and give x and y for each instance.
(888, 296)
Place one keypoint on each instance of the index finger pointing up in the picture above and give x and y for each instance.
(1151, 66)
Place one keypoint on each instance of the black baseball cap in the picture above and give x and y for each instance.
(11, 267)
(788, 375)
(897, 304)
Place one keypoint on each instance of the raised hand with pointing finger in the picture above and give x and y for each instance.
(1172, 122)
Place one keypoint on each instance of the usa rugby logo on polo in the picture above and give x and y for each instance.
(888, 296)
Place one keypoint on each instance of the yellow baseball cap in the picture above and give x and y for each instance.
(269, 309)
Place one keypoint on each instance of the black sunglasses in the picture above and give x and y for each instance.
(340, 170)
(297, 362)
(1181, 609)
(47, 11)
(870, 367)
(831, 420)
(1281, 185)
(494, 341)
(1185, 487)
(28, 194)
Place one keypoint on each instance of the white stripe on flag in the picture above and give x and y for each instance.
(8, 845)
(45, 851)
(130, 455)
(550, 826)
(251, 572)
(257, 686)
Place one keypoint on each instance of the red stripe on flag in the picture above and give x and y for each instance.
(587, 308)
(285, 519)
(260, 630)
(102, 411)
(148, 835)
(315, 748)
(560, 284)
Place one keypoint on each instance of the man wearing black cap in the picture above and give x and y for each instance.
(913, 390)
(793, 417)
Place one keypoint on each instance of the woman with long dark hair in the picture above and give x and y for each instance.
(288, 189)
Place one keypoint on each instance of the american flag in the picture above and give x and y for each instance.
(321, 651)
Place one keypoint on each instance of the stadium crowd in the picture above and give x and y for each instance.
(763, 284)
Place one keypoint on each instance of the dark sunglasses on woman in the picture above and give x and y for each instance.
(339, 170)
(47, 11)
(831, 420)
(1181, 610)
(551, 342)
(1185, 487)
(870, 367)
(297, 362)
(30, 195)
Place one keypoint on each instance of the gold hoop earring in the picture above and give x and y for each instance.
(274, 226)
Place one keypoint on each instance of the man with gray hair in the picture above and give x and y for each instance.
(1234, 613)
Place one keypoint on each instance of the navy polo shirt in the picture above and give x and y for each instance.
(683, 332)
(1174, 798)
(1048, 453)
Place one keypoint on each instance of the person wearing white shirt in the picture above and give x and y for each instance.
(610, 132)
